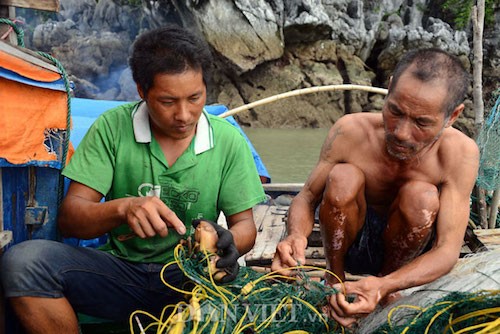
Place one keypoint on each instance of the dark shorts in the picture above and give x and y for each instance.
(94, 282)
(366, 254)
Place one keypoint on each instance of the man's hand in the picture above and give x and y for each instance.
(289, 253)
(149, 216)
(368, 293)
(227, 251)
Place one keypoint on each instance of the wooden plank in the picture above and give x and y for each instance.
(489, 238)
(49, 5)
(277, 231)
(271, 228)
(488, 232)
(265, 247)
(479, 240)
(283, 187)
(10, 13)
(259, 214)
(28, 55)
(315, 253)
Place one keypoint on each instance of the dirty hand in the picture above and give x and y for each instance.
(367, 293)
(149, 216)
(226, 250)
(290, 252)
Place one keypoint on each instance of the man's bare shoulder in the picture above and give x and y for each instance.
(457, 149)
(360, 131)
(359, 123)
(454, 140)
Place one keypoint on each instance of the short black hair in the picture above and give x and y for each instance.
(434, 63)
(170, 49)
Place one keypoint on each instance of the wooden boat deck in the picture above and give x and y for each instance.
(270, 220)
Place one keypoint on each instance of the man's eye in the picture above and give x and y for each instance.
(423, 123)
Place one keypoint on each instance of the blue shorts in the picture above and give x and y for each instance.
(366, 254)
(94, 282)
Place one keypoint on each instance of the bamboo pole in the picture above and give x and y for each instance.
(495, 201)
(477, 93)
(477, 70)
(303, 91)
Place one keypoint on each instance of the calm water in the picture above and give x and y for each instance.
(289, 154)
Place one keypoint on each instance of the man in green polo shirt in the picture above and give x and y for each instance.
(160, 163)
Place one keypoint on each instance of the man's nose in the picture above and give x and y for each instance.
(182, 113)
(403, 130)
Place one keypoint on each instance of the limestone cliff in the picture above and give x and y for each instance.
(262, 48)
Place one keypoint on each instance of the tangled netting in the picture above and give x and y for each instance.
(488, 141)
(253, 303)
(271, 303)
(457, 313)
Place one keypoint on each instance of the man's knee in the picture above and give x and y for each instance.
(23, 262)
(17, 256)
(345, 181)
(419, 202)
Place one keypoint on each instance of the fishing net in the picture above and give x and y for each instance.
(253, 303)
(488, 141)
(458, 312)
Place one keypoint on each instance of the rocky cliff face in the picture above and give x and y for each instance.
(263, 48)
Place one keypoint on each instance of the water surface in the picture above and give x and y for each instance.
(288, 154)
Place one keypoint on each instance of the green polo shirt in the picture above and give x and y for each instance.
(119, 157)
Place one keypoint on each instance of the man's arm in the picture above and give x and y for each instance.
(82, 215)
(450, 230)
(243, 229)
(451, 223)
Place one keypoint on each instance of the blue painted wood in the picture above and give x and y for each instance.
(27, 190)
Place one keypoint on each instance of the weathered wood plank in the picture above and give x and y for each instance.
(8, 12)
(50, 5)
(28, 55)
(490, 238)
(277, 231)
(269, 221)
(283, 187)
(259, 214)
(488, 232)
(315, 252)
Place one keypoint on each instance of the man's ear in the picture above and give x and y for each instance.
(454, 115)
(140, 91)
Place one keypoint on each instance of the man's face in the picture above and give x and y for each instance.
(175, 103)
(413, 116)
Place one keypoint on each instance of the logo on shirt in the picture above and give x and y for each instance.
(148, 189)
(178, 199)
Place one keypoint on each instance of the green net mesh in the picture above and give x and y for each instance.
(253, 303)
(488, 141)
(457, 312)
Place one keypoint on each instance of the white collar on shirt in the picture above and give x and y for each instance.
(203, 140)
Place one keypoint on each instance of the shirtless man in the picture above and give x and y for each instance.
(393, 189)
